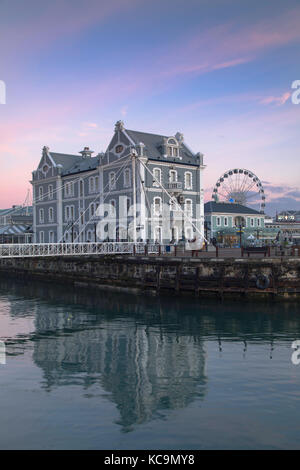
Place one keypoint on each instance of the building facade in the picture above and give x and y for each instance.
(231, 223)
(157, 178)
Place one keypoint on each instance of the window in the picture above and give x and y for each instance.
(81, 188)
(50, 191)
(128, 204)
(119, 148)
(157, 234)
(226, 221)
(96, 183)
(40, 193)
(92, 184)
(172, 148)
(41, 235)
(188, 180)
(41, 215)
(127, 177)
(157, 205)
(69, 213)
(172, 176)
(188, 207)
(157, 177)
(252, 222)
(69, 189)
(51, 237)
(258, 222)
(112, 180)
(51, 214)
(218, 221)
(92, 210)
(173, 204)
(112, 208)
(81, 218)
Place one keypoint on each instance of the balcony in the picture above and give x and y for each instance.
(175, 187)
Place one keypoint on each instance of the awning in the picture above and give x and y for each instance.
(15, 230)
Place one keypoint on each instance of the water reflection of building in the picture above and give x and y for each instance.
(146, 352)
(145, 369)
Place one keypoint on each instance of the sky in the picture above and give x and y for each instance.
(219, 71)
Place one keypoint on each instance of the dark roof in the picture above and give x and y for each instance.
(152, 143)
(228, 208)
(64, 159)
(83, 164)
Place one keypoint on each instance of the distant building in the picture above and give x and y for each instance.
(16, 224)
(288, 216)
(223, 222)
(69, 191)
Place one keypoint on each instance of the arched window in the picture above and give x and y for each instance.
(188, 180)
(92, 184)
(173, 204)
(92, 210)
(127, 178)
(112, 180)
(112, 208)
(50, 214)
(172, 176)
(40, 193)
(41, 216)
(188, 207)
(157, 177)
(157, 234)
(157, 206)
(81, 188)
(172, 148)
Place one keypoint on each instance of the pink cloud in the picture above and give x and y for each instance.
(278, 100)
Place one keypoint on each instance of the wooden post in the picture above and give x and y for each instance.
(217, 251)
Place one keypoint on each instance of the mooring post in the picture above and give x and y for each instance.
(217, 251)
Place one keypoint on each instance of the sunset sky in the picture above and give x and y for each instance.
(219, 71)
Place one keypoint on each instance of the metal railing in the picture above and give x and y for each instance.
(78, 249)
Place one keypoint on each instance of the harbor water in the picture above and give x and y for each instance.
(91, 369)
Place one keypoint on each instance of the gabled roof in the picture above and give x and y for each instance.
(228, 208)
(152, 143)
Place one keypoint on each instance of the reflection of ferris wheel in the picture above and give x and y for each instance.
(240, 186)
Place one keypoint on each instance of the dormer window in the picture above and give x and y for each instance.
(172, 148)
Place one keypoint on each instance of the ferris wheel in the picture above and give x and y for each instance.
(240, 186)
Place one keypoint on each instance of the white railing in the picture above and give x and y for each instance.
(78, 249)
